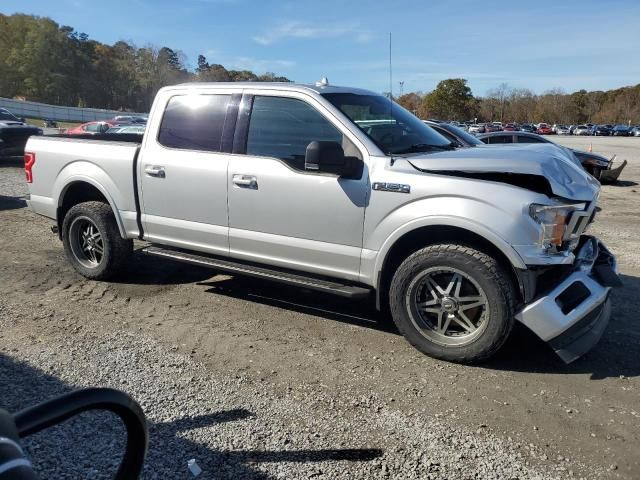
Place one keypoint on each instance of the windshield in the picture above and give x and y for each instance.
(387, 124)
(4, 115)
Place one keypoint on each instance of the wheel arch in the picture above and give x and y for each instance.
(409, 241)
(80, 190)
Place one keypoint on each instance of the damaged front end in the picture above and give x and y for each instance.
(571, 307)
(538, 168)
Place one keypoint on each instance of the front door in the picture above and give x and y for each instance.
(284, 215)
(183, 175)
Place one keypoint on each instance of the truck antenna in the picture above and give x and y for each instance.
(391, 101)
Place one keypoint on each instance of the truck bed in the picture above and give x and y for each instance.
(105, 161)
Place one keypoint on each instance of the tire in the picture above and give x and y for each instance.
(92, 241)
(482, 280)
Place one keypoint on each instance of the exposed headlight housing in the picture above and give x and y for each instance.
(553, 220)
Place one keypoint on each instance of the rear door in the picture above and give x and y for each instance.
(183, 171)
(282, 214)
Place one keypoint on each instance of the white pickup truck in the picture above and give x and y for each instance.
(339, 190)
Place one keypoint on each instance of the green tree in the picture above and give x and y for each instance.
(451, 100)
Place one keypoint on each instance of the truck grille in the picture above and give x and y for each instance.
(579, 221)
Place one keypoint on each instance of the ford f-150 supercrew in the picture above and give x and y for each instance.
(339, 190)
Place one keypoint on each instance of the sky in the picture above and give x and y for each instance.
(566, 44)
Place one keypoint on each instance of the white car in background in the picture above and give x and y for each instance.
(582, 130)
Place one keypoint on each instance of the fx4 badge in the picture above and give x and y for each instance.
(392, 187)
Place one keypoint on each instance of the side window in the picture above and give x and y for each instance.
(527, 139)
(93, 127)
(194, 122)
(501, 139)
(283, 127)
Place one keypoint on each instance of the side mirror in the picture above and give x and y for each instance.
(22, 120)
(326, 157)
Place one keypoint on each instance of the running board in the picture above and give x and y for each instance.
(237, 268)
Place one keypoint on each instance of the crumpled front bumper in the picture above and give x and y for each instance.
(573, 315)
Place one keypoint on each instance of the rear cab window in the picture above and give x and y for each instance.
(194, 122)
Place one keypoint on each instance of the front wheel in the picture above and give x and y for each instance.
(92, 241)
(453, 302)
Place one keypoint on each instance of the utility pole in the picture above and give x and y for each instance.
(401, 87)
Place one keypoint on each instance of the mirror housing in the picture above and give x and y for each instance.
(327, 157)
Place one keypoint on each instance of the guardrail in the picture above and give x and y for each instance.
(55, 112)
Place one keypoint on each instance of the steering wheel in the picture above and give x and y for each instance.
(14, 465)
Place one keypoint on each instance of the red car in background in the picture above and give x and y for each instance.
(543, 129)
(90, 128)
(510, 127)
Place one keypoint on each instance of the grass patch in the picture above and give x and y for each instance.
(38, 122)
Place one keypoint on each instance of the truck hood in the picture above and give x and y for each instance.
(538, 167)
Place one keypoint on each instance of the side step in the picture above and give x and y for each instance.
(237, 268)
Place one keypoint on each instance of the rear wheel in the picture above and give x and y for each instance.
(92, 241)
(453, 302)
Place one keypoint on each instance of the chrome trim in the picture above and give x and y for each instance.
(578, 223)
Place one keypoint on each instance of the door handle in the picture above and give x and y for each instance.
(248, 181)
(155, 171)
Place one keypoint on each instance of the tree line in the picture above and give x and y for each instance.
(43, 61)
(452, 99)
(46, 62)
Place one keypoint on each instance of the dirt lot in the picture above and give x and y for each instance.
(319, 374)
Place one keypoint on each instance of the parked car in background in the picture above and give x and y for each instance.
(562, 130)
(598, 166)
(456, 135)
(510, 127)
(543, 129)
(139, 129)
(635, 131)
(492, 127)
(620, 131)
(14, 133)
(582, 130)
(527, 127)
(477, 128)
(601, 131)
(90, 128)
(128, 119)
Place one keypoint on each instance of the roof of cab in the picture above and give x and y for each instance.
(284, 86)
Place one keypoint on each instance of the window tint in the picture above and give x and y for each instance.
(94, 127)
(527, 139)
(194, 122)
(501, 139)
(283, 127)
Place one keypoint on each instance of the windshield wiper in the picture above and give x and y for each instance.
(424, 147)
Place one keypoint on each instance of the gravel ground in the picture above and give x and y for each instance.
(231, 425)
(256, 380)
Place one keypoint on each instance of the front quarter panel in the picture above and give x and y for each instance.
(498, 212)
